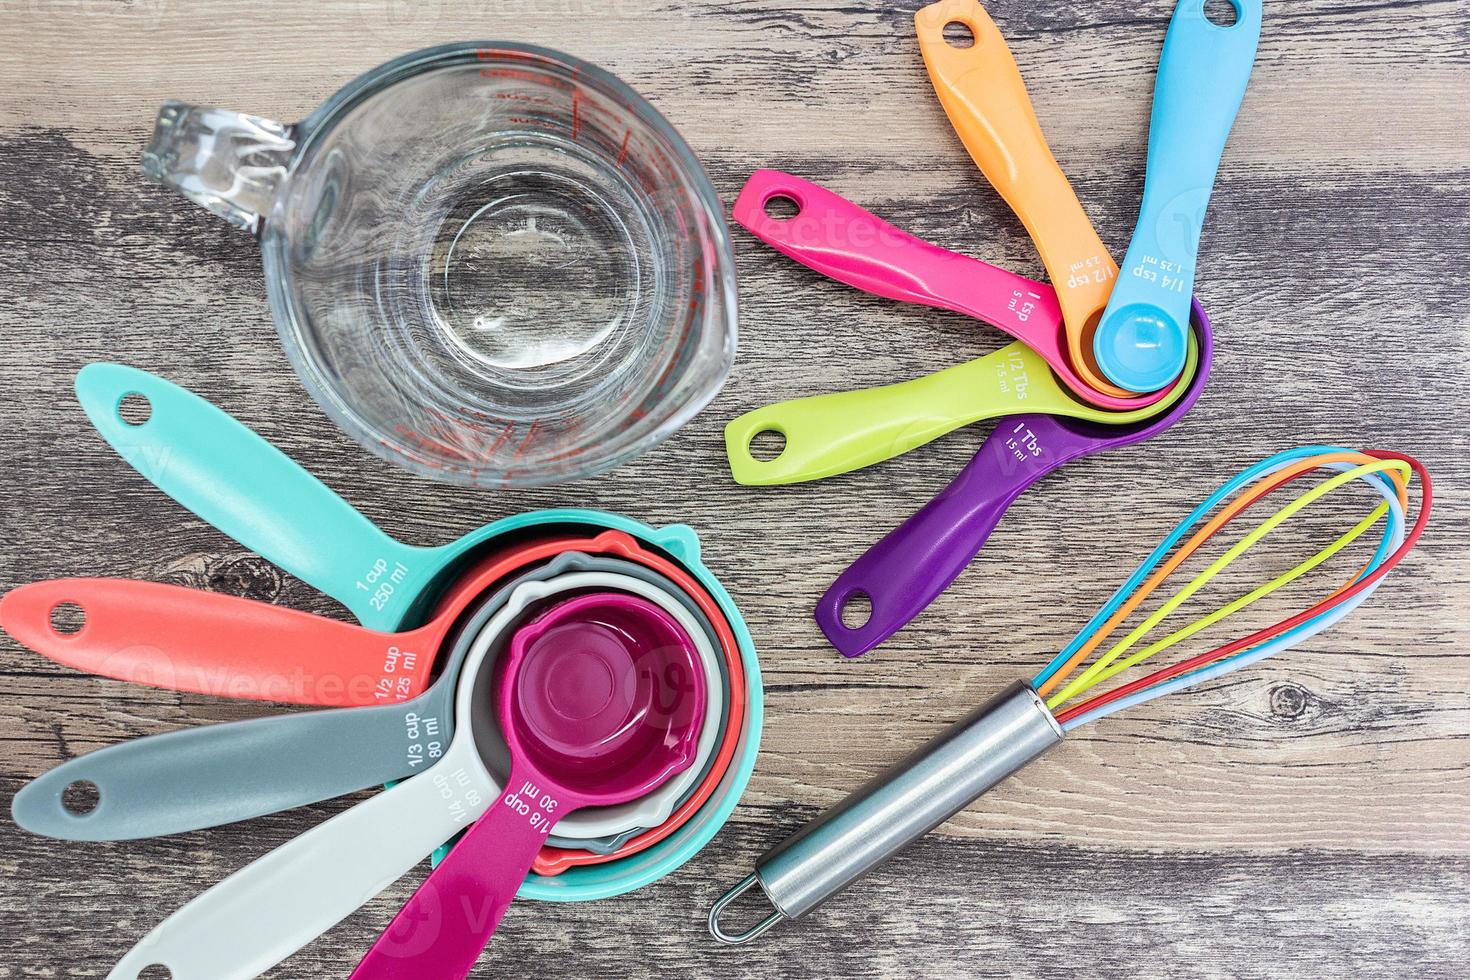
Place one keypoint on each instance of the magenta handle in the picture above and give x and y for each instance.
(444, 926)
(842, 241)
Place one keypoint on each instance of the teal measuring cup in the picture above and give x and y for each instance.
(232, 478)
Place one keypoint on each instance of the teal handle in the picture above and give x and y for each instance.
(1203, 72)
(233, 479)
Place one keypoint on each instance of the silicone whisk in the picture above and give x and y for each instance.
(1389, 472)
(943, 776)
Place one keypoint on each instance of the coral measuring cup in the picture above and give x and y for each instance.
(599, 701)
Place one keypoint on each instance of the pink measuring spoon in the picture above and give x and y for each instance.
(842, 241)
(600, 701)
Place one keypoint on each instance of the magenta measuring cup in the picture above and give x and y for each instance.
(599, 700)
(908, 568)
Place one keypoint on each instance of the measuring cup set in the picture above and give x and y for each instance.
(572, 691)
(1101, 357)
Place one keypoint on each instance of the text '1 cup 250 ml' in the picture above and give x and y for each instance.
(490, 263)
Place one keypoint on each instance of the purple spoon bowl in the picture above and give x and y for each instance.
(916, 561)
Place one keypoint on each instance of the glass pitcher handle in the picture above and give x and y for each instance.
(226, 162)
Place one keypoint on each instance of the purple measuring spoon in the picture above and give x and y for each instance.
(600, 702)
(916, 561)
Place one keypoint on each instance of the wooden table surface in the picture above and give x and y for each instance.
(1310, 817)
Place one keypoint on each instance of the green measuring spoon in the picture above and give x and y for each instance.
(830, 434)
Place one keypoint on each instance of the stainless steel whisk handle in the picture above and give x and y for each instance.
(896, 808)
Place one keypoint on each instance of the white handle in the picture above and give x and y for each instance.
(268, 910)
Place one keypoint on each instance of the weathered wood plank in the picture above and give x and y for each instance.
(1307, 818)
(943, 909)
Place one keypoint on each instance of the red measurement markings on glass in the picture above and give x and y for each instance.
(523, 74)
(692, 314)
(527, 438)
(449, 438)
(500, 440)
(445, 444)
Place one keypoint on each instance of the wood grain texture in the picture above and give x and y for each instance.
(1308, 818)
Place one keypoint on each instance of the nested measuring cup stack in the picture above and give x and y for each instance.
(1102, 357)
(571, 691)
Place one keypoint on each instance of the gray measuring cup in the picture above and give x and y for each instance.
(218, 774)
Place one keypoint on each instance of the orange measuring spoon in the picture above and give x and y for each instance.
(981, 90)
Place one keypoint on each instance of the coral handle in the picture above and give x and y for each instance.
(189, 640)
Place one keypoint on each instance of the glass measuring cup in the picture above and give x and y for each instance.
(491, 263)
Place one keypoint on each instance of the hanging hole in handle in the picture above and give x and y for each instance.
(767, 445)
(155, 971)
(1223, 13)
(857, 609)
(739, 938)
(781, 207)
(958, 34)
(81, 798)
(67, 618)
(134, 409)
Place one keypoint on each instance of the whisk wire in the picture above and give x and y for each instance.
(1137, 589)
(1099, 671)
(1391, 484)
(1230, 608)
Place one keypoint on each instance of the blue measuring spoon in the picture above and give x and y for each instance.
(1141, 340)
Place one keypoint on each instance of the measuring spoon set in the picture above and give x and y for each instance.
(836, 433)
(1093, 367)
(577, 653)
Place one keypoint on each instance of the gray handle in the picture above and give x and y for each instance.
(203, 777)
(897, 807)
(217, 774)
